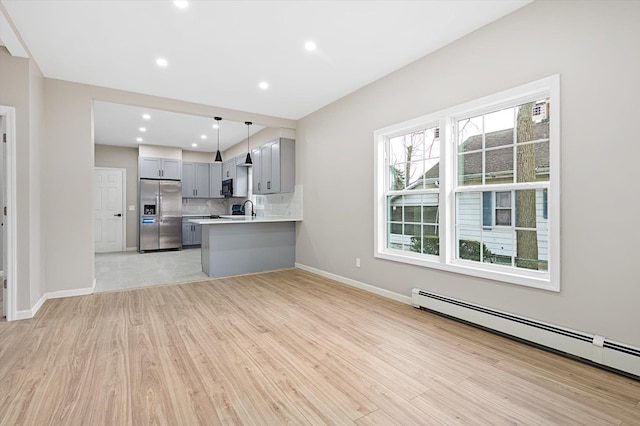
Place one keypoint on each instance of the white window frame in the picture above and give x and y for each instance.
(446, 119)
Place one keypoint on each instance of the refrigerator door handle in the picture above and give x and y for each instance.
(158, 198)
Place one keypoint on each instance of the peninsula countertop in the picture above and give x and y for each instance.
(227, 219)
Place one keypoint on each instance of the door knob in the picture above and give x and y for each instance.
(118, 214)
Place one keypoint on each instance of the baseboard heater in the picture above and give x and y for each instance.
(596, 349)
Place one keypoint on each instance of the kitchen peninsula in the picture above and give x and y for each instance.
(234, 245)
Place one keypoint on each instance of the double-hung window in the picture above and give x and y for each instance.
(474, 189)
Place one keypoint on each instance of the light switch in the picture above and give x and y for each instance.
(132, 208)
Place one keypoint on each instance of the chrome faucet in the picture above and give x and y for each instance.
(245, 204)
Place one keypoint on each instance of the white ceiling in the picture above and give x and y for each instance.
(116, 124)
(218, 51)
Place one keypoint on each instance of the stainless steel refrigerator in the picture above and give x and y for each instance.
(160, 215)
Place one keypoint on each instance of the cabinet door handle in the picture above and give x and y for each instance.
(268, 184)
(258, 186)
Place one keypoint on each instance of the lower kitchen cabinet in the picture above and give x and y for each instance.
(191, 232)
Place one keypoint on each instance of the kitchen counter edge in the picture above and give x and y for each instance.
(246, 220)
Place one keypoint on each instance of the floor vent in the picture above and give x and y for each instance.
(594, 348)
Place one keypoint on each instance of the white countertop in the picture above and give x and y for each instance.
(226, 219)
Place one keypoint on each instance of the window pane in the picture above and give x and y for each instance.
(430, 214)
(432, 173)
(468, 244)
(470, 134)
(412, 213)
(504, 244)
(469, 209)
(498, 127)
(503, 199)
(412, 230)
(529, 208)
(499, 165)
(533, 162)
(414, 172)
(396, 178)
(531, 252)
(503, 217)
(395, 208)
(499, 243)
(415, 145)
(411, 157)
(397, 152)
(470, 169)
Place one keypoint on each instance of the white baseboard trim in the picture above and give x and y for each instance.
(30, 313)
(131, 249)
(70, 293)
(357, 284)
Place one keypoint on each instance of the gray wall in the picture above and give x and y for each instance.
(22, 86)
(123, 158)
(594, 47)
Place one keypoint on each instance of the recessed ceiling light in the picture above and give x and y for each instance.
(194, 145)
(161, 62)
(139, 139)
(215, 126)
(264, 85)
(146, 116)
(310, 46)
(181, 4)
(143, 129)
(203, 136)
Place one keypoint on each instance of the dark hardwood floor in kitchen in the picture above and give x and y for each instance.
(284, 347)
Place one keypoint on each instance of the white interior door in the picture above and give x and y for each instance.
(3, 246)
(108, 209)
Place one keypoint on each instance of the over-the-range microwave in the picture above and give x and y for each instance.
(227, 188)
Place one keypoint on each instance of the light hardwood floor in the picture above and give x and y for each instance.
(284, 347)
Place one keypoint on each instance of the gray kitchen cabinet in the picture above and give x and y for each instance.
(191, 232)
(257, 171)
(241, 181)
(215, 180)
(276, 171)
(195, 180)
(229, 169)
(234, 169)
(159, 168)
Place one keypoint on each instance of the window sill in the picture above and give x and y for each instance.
(540, 280)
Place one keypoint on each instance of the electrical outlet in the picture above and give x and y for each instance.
(132, 208)
(357, 262)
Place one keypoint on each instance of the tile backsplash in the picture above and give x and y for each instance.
(208, 207)
(289, 205)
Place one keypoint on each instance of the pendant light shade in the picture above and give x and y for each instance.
(218, 154)
(248, 161)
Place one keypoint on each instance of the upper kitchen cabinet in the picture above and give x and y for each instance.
(195, 180)
(215, 180)
(241, 181)
(234, 169)
(159, 168)
(229, 169)
(274, 167)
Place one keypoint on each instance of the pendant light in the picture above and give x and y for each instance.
(248, 161)
(218, 154)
